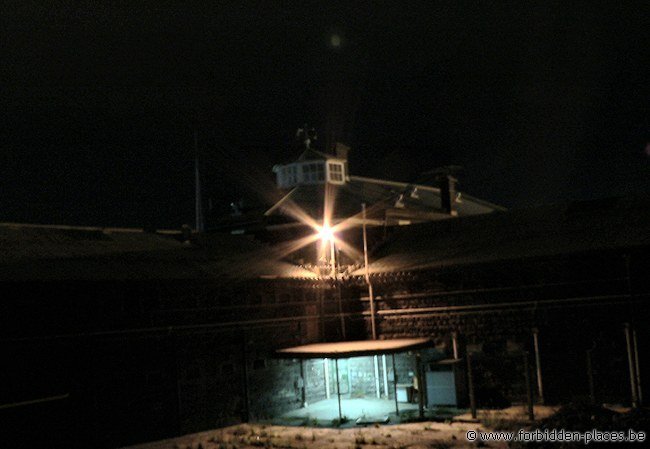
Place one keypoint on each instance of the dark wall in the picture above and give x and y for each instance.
(129, 362)
(576, 303)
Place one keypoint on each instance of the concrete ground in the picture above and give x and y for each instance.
(366, 408)
(420, 435)
(251, 436)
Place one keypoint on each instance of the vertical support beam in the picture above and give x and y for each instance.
(529, 389)
(321, 311)
(538, 366)
(338, 389)
(395, 385)
(454, 366)
(303, 388)
(377, 388)
(631, 365)
(326, 365)
(470, 385)
(371, 295)
(383, 365)
(338, 289)
(418, 367)
(638, 369)
(341, 312)
(590, 377)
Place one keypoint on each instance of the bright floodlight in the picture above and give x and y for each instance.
(325, 233)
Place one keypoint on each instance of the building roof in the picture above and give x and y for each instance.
(345, 349)
(29, 252)
(396, 200)
(517, 234)
(311, 154)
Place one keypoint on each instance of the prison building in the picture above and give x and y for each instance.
(119, 336)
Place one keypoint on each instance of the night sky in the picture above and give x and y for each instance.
(538, 104)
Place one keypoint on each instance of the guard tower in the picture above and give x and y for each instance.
(313, 167)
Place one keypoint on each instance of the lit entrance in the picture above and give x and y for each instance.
(357, 381)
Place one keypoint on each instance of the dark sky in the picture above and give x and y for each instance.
(546, 103)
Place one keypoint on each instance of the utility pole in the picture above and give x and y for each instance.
(538, 366)
(370, 292)
(631, 365)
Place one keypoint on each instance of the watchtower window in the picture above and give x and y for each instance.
(335, 172)
(313, 172)
(310, 172)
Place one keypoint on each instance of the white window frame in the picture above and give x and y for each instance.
(336, 172)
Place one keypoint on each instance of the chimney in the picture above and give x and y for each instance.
(341, 151)
(447, 184)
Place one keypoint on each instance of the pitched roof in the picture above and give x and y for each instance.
(536, 232)
(310, 154)
(63, 252)
(415, 200)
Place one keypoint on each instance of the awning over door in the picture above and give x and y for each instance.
(346, 349)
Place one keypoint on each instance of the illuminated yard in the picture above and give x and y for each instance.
(364, 408)
(414, 436)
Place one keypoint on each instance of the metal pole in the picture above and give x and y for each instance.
(538, 366)
(327, 378)
(365, 259)
(303, 387)
(383, 364)
(395, 386)
(631, 365)
(418, 363)
(377, 388)
(321, 304)
(341, 315)
(470, 382)
(590, 378)
(454, 344)
(338, 289)
(638, 369)
(529, 389)
(338, 389)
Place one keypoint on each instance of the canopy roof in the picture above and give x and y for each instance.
(345, 349)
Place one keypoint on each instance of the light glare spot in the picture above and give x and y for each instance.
(325, 233)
